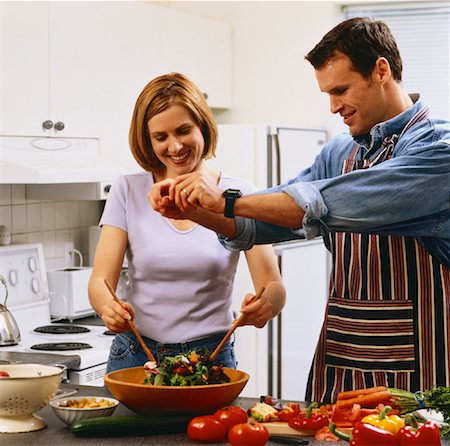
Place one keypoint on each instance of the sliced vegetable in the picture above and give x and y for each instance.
(308, 420)
(248, 434)
(263, 412)
(289, 411)
(130, 426)
(206, 428)
(4, 374)
(231, 415)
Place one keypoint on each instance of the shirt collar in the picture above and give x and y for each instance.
(390, 127)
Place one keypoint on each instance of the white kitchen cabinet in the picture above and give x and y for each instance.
(83, 64)
(24, 67)
(201, 49)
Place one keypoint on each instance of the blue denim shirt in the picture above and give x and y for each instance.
(407, 195)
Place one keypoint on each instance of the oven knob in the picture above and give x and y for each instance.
(13, 277)
(32, 264)
(35, 285)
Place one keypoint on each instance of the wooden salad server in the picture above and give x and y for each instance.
(133, 327)
(234, 326)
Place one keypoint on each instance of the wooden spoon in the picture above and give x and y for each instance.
(132, 326)
(234, 326)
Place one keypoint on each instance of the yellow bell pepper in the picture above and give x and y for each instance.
(392, 423)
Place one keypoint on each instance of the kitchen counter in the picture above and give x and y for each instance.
(59, 434)
(70, 361)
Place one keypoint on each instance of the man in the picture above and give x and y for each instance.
(379, 196)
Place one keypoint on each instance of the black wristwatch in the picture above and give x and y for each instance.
(230, 197)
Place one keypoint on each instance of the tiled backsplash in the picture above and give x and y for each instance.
(52, 223)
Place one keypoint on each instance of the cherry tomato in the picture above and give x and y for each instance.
(231, 415)
(248, 434)
(206, 428)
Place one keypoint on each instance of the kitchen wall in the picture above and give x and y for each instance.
(272, 83)
(52, 223)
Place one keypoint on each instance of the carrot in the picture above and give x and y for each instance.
(355, 393)
(370, 400)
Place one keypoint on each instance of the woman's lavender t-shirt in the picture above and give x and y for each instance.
(180, 282)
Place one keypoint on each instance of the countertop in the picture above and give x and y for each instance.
(58, 433)
(70, 361)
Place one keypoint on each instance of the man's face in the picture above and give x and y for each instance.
(360, 101)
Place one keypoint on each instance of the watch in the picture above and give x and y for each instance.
(230, 197)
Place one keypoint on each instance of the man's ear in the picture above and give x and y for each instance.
(382, 70)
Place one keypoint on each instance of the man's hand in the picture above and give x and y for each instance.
(197, 189)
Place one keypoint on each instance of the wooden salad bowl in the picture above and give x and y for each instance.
(127, 386)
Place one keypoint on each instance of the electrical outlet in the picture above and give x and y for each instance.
(68, 247)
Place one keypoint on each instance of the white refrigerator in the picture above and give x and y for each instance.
(278, 357)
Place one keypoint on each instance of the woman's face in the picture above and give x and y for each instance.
(176, 140)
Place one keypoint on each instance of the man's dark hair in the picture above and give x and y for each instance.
(363, 41)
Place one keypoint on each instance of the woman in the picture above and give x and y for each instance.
(180, 276)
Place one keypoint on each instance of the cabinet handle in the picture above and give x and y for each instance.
(59, 125)
(47, 124)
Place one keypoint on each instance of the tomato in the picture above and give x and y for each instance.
(4, 374)
(206, 428)
(248, 434)
(231, 415)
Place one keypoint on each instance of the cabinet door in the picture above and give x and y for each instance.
(24, 68)
(201, 49)
(102, 55)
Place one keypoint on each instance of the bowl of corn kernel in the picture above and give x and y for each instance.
(79, 408)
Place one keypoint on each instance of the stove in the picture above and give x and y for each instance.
(24, 269)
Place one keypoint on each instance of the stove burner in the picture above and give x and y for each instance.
(62, 329)
(60, 346)
(109, 333)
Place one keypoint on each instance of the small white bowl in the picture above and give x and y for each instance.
(70, 415)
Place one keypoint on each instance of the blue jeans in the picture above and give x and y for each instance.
(126, 351)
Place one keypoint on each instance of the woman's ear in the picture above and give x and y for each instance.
(382, 70)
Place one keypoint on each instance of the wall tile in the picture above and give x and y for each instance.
(18, 194)
(19, 219)
(74, 214)
(5, 194)
(62, 215)
(34, 217)
(6, 216)
(48, 216)
(48, 241)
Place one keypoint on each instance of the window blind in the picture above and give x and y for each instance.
(422, 33)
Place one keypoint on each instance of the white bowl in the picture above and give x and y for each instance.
(70, 415)
(28, 388)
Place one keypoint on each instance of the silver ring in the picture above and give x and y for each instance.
(186, 192)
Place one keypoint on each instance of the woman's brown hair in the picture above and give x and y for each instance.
(157, 96)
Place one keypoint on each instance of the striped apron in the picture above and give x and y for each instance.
(387, 318)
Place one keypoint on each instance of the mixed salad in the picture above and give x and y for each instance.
(190, 369)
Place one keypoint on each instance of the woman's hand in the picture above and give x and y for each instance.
(116, 316)
(256, 313)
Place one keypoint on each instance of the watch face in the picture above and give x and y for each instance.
(236, 193)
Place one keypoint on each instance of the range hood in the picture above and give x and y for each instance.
(74, 164)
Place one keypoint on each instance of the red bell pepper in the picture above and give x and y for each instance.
(288, 412)
(365, 434)
(307, 420)
(415, 434)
